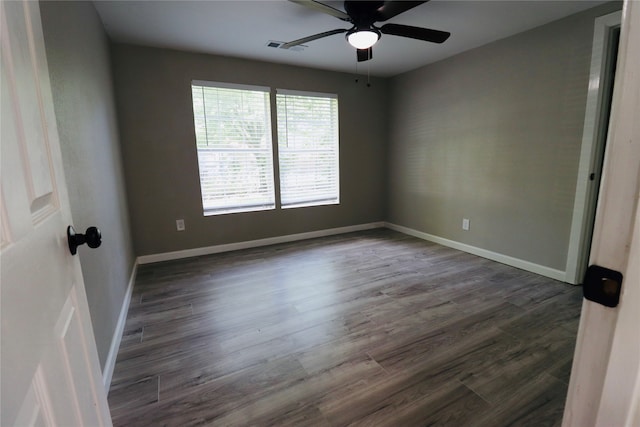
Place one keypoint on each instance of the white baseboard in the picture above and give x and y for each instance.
(187, 253)
(494, 256)
(110, 363)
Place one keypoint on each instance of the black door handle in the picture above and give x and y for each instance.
(92, 237)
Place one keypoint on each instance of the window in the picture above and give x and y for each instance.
(233, 139)
(308, 148)
(235, 147)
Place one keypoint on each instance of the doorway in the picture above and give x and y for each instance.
(601, 82)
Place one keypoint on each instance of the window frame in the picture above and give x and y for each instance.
(270, 200)
(272, 148)
(334, 199)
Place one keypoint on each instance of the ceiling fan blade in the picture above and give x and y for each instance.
(393, 8)
(364, 54)
(426, 34)
(313, 37)
(321, 7)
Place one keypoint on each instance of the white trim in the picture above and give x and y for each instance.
(222, 85)
(305, 93)
(110, 363)
(633, 418)
(583, 207)
(622, 380)
(484, 253)
(208, 250)
(187, 253)
(606, 355)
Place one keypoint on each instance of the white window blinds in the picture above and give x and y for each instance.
(233, 139)
(308, 148)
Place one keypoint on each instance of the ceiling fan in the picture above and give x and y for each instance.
(363, 15)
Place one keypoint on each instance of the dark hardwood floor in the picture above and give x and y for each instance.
(371, 328)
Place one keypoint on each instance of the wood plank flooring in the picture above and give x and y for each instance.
(374, 328)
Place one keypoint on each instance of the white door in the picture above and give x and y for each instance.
(605, 379)
(49, 363)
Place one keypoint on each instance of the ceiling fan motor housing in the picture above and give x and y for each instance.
(363, 15)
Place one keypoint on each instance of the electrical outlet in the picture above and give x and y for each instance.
(465, 224)
(180, 224)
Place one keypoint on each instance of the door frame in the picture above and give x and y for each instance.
(593, 142)
(605, 376)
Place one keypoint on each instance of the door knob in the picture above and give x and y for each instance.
(92, 237)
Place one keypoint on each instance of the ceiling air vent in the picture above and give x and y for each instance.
(277, 45)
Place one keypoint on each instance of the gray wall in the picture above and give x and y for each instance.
(494, 135)
(153, 92)
(79, 65)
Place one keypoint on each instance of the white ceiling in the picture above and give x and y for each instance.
(243, 28)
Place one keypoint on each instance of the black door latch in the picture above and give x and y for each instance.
(602, 285)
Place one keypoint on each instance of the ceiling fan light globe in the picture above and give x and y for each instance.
(363, 39)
